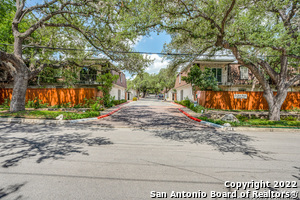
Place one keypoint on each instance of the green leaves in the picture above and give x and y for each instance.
(202, 79)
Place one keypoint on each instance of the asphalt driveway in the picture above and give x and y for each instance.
(149, 113)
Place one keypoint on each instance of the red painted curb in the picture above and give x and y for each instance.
(178, 104)
(112, 112)
(108, 114)
(189, 116)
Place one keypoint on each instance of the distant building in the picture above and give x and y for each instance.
(84, 78)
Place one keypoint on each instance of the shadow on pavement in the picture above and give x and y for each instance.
(4, 192)
(167, 125)
(149, 118)
(222, 141)
(43, 143)
(298, 175)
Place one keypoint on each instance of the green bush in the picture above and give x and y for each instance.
(117, 102)
(288, 118)
(96, 107)
(36, 104)
(216, 121)
(66, 105)
(52, 114)
(6, 103)
(242, 118)
(78, 106)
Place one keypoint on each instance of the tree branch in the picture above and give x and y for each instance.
(270, 71)
(226, 16)
(293, 80)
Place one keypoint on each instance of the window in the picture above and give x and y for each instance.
(244, 72)
(217, 72)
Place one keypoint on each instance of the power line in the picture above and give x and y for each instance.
(125, 52)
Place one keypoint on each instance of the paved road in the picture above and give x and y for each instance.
(147, 146)
(149, 113)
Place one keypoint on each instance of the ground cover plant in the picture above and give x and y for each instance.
(286, 121)
(254, 122)
(45, 114)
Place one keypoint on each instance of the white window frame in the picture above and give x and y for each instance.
(244, 73)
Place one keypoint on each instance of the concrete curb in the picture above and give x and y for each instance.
(189, 116)
(262, 129)
(110, 113)
(34, 121)
(202, 122)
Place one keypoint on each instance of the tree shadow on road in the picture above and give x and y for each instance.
(170, 125)
(298, 175)
(149, 118)
(6, 191)
(17, 146)
(44, 128)
(220, 140)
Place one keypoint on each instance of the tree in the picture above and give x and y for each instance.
(102, 24)
(202, 79)
(166, 78)
(6, 16)
(106, 81)
(262, 35)
(142, 83)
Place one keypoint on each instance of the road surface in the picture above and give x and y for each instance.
(146, 149)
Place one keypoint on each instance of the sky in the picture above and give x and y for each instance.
(152, 43)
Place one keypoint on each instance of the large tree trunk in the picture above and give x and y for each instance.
(275, 102)
(21, 78)
(144, 93)
(19, 91)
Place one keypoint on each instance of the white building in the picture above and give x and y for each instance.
(119, 86)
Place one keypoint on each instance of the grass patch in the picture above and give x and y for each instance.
(257, 123)
(45, 114)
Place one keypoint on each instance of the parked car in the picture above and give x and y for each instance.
(160, 97)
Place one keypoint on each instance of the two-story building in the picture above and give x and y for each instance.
(230, 76)
(87, 77)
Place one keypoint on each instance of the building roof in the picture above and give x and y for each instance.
(216, 58)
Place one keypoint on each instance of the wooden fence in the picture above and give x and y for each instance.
(54, 96)
(255, 100)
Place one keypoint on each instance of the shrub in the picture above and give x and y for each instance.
(109, 102)
(66, 105)
(217, 121)
(288, 118)
(96, 107)
(134, 99)
(78, 106)
(36, 104)
(242, 118)
(295, 109)
(6, 103)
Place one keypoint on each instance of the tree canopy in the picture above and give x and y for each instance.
(203, 80)
(51, 28)
(153, 83)
(262, 35)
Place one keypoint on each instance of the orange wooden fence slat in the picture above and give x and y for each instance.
(54, 96)
(255, 101)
